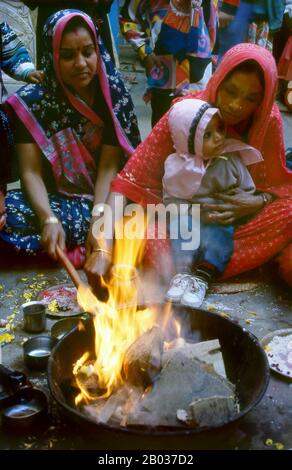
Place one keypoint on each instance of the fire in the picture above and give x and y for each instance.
(118, 322)
(77, 368)
(177, 328)
(178, 341)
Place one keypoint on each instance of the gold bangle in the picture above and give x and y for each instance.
(96, 250)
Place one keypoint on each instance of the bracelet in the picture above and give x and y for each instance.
(50, 220)
(96, 250)
(27, 72)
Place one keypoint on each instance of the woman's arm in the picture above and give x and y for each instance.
(108, 168)
(237, 204)
(99, 261)
(15, 59)
(32, 181)
(98, 247)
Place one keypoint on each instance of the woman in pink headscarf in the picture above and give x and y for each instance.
(243, 88)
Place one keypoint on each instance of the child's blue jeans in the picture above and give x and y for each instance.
(215, 248)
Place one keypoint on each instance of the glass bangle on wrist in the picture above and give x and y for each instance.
(96, 250)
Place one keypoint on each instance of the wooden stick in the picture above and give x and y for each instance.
(77, 281)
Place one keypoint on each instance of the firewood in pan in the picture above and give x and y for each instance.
(103, 410)
(114, 409)
(88, 379)
(143, 358)
(182, 380)
(207, 351)
(213, 411)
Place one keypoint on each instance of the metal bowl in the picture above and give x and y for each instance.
(61, 327)
(29, 408)
(36, 351)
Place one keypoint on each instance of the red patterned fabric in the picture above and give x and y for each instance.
(270, 231)
(77, 256)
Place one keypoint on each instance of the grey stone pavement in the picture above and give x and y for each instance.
(264, 304)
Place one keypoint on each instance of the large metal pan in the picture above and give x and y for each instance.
(245, 361)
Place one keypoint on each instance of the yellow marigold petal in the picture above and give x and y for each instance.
(269, 442)
(279, 445)
(53, 306)
(6, 338)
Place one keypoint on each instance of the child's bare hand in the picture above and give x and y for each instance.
(36, 77)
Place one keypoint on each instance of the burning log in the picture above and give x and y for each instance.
(182, 380)
(143, 358)
(107, 409)
(88, 379)
(116, 407)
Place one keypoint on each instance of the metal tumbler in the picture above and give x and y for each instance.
(34, 317)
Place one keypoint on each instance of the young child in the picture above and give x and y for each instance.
(205, 163)
(15, 62)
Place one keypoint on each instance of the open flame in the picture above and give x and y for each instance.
(118, 322)
(178, 341)
(177, 328)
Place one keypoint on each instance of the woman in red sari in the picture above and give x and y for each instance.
(243, 87)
